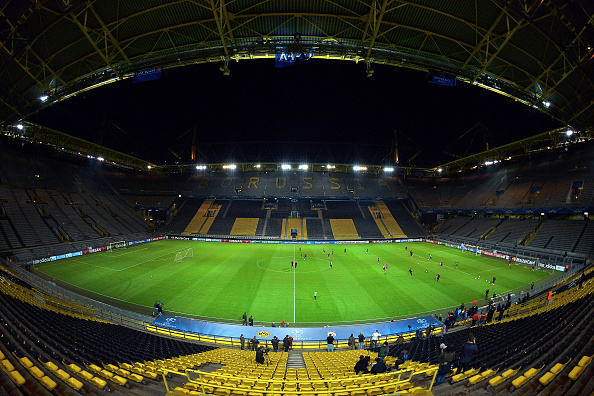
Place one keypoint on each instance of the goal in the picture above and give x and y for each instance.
(116, 245)
(179, 256)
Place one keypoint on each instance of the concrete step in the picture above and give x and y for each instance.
(295, 360)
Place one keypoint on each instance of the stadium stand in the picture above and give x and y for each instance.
(344, 229)
(342, 210)
(245, 227)
(407, 223)
(367, 229)
(512, 231)
(559, 235)
(314, 228)
(246, 209)
(274, 228)
(389, 222)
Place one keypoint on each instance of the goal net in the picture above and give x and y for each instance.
(179, 256)
(116, 245)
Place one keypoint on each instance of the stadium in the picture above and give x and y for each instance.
(333, 198)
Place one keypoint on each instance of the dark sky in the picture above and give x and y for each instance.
(316, 111)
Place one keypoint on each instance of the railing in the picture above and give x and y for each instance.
(309, 344)
(199, 382)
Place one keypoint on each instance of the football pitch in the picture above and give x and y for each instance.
(223, 280)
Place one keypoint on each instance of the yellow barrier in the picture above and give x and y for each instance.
(321, 344)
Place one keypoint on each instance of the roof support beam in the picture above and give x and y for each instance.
(43, 86)
(509, 35)
(113, 40)
(83, 29)
(221, 16)
(485, 38)
(374, 21)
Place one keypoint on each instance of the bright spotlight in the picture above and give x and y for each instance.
(149, 167)
(285, 166)
(258, 166)
(230, 166)
(439, 170)
(20, 127)
(546, 104)
(303, 167)
(389, 169)
(330, 166)
(569, 132)
(200, 167)
(359, 168)
(43, 98)
(100, 159)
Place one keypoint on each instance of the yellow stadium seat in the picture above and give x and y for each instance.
(547, 378)
(16, 377)
(74, 383)
(48, 383)
(61, 374)
(119, 380)
(35, 372)
(180, 391)
(7, 365)
(25, 361)
(74, 368)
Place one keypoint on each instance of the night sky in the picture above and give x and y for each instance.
(315, 111)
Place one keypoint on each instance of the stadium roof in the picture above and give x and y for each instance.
(538, 52)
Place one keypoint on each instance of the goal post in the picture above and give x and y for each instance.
(116, 245)
(182, 254)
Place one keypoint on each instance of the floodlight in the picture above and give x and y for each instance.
(439, 170)
(100, 159)
(330, 166)
(230, 166)
(542, 213)
(149, 167)
(200, 167)
(285, 166)
(303, 167)
(586, 213)
(389, 169)
(179, 196)
(43, 98)
(20, 127)
(487, 163)
(359, 168)
(257, 165)
(546, 104)
(569, 132)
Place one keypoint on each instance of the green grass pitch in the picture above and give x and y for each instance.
(223, 280)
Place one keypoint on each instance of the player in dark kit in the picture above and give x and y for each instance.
(410, 272)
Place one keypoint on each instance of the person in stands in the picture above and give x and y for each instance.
(361, 365)
(467, 353)
(446, 361)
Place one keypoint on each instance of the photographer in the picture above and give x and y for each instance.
(260, 355)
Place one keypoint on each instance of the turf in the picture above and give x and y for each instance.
(223, 280)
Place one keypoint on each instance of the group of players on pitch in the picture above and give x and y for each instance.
(384, 266)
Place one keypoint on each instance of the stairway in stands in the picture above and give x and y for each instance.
(295, 360)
